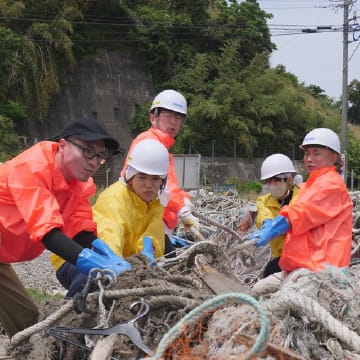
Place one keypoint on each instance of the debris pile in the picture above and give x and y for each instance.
(199, 304)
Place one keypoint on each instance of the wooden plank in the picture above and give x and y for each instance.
(217, 282)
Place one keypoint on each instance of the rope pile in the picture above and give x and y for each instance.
(314, 318)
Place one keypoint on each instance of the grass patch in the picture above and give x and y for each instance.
(249, 190)
(40, 296)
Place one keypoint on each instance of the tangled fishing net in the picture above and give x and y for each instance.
(315, 317)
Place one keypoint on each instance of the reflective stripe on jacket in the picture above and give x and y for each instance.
(268, 208)
(176, 195)
(35, 198)
(320, 224)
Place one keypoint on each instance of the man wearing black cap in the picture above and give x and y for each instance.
(44, 202)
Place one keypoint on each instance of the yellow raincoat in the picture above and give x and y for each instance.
(176, 195)
(123, 219)
(35, 198)
(268, 208)
(320, 224)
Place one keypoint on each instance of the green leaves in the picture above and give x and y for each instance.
(9, 144)
(354, 99)
(10, 60)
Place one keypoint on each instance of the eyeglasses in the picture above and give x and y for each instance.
(276, 179)
(170, 115)
(89, 153)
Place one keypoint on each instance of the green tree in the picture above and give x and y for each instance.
(11, 64)
(9, 145)
(260, 110)
(353, 158)
(35, 43)
(354, 99)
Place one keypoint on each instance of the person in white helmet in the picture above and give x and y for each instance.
(128, 213)
(319, 223)
(167, 114)
(277, 172)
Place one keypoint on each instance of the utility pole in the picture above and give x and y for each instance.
(344, 96)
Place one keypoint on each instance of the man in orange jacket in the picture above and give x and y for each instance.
(167, 113)
(44, 202)
(319, 223)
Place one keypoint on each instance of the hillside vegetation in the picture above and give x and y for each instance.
(215, 52)
(355, 130)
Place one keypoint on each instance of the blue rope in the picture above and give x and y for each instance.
(211, 305)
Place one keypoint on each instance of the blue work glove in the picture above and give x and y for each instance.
(177, 241)
(102, 248)
(101, 257)
(278, 226)
(148, 250)
(266, 224)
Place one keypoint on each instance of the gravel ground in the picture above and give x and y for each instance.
(39, 274)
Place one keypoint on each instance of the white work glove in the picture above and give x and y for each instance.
(187, 219)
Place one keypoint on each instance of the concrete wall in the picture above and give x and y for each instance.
(217, 170)
(109, 86)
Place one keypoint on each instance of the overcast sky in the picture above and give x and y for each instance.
(315, 58)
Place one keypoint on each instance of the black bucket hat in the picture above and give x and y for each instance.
(89, 129)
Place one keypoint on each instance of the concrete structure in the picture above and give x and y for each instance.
(109, 86)
(217, 170)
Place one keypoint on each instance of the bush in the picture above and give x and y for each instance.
(252, 186)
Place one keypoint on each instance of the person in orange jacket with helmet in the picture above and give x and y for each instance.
(167, 113)
(319, 223)
(44, 201)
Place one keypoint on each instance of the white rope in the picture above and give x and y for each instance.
(26, 333)
(289, 299)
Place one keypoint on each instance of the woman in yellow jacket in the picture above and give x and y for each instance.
(129, 209)
(128, 213)
(277, 171)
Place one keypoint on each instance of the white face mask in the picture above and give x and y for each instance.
(278, 190)
(265, 189)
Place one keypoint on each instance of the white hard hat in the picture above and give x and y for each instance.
(170, 100)
(150, 157)
(276, 164)
(323, 137)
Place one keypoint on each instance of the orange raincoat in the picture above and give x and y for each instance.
(320, 224)
(176, 195)
(35, 198)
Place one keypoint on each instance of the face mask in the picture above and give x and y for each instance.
(279, 190)
(265, 189)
